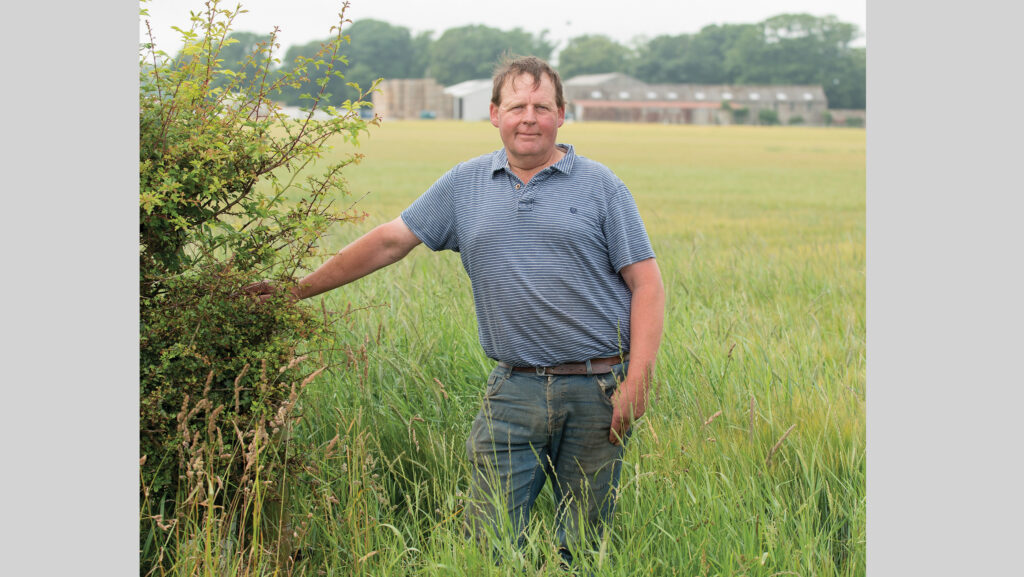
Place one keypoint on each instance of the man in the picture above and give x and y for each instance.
(569, 302)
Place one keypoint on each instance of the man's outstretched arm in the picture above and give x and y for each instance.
(386, 244)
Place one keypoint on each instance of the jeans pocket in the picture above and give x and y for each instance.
(608, 384)
(495, 380)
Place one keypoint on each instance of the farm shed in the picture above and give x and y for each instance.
(620, 98)
(471, 99)
(412, 98)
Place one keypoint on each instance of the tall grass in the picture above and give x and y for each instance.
(751, 459)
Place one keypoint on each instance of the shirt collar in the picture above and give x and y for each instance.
(499, 161)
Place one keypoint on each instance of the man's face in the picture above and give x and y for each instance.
(528, 118)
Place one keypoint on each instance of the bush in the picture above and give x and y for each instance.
(740, 115)
(796, 120)
(854, 121)
(767, 116)
(222, 204)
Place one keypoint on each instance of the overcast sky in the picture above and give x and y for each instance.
(302, 21)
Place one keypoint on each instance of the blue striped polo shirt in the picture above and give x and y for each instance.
(543, 258)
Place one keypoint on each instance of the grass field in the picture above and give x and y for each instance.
(751, 458)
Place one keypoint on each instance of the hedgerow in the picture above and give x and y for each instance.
(229, 193)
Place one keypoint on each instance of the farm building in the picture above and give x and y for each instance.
(425, 98)
(621, 98)
(471, 100)
(406, 98)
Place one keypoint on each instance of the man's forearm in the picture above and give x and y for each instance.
(647, 314)
(646, 319)
(384, 245)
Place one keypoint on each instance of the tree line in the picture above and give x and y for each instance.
(783, 49)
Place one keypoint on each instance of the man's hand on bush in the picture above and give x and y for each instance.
(265, 290)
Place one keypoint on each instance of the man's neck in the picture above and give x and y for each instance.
(526, 169)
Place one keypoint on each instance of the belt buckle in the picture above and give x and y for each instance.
(541, 371)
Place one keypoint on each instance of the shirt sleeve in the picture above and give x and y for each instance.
(431, 217)
(624, 230)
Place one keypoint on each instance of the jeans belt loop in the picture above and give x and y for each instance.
(590, 369)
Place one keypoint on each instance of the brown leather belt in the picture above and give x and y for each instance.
(597, 367)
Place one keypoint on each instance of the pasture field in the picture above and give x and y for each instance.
(751, 458)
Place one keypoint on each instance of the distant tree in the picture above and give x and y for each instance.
(420, 57)
(747, 58)
(848, 86)
(706, 53)
(698, 59)
(784, 49)
(236, 54)
(375, 50)
(663, 60)
(380, 50)
(239, 46)
(469, 52)
(299, 93)
(797, 49)
(593, 54)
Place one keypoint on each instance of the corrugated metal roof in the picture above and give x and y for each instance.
(592, 79)
(627, 88)
(646, 104)
(469, 87)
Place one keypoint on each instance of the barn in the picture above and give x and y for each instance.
(471, 100)
(618, 97)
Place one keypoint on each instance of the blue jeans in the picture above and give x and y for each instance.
(531, 428)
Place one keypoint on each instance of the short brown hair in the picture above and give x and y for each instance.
(513, 67)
